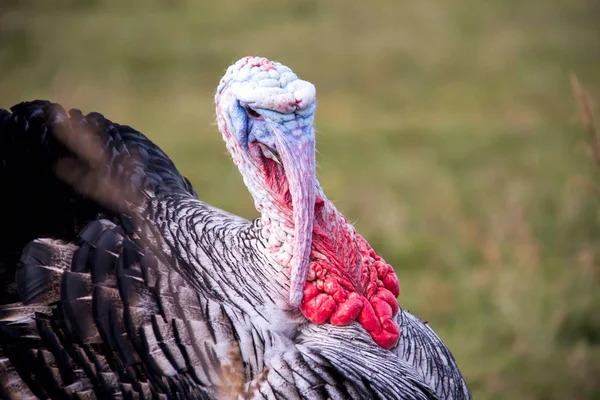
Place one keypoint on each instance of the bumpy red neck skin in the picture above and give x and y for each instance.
(347, 281)
(266, 116)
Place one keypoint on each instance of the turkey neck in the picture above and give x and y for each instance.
(332, 236)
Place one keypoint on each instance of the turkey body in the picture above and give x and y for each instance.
(116, 281)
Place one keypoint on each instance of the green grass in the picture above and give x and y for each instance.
(446, 130)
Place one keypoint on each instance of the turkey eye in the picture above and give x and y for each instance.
(252, 114)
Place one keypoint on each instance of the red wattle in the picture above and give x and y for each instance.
(386, 339)
(350, 282)
(368, 319)
(347, 311)
(391, 283)
(316, 306)
(388, 298)
(347, 281)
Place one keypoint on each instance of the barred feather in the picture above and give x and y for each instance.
(117, 282)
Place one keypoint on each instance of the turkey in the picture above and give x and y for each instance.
(116, 281)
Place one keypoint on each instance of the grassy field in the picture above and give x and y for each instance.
(446, 130)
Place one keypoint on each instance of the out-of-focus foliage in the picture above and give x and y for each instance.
(446, 130)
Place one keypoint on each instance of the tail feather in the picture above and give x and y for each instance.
(11, 384)
(79, 310)
(59, 171)
(39, 284)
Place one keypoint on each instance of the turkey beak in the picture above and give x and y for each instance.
(297, 152)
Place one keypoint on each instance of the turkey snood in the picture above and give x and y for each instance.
(266, 114)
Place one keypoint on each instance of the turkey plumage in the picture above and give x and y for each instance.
(116, 281)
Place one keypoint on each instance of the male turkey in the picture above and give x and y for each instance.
(117, 282)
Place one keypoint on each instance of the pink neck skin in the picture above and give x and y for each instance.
(347, 281)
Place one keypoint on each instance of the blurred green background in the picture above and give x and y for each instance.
(447, 132)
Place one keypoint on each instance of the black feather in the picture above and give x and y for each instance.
(115, 283)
